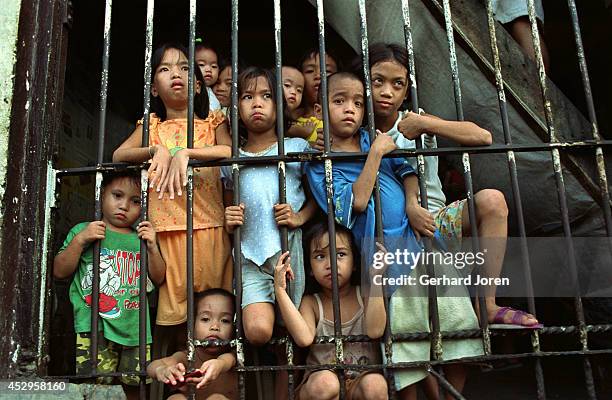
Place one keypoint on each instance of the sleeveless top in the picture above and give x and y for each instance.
(354, 353)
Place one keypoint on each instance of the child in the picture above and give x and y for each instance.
(353, 184)
(206, 59)
(214, 316)
(293, 88)
(315, 318)
(223, 88)
(389, 88)
(119, 279)
(259, 213)
(310, 126)
(169, 155)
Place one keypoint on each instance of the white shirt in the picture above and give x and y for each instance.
(435, 196)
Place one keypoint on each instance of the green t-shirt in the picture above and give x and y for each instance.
(119, 287)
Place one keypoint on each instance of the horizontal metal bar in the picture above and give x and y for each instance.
(319, 156)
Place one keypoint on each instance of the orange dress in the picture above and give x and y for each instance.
(212, 264)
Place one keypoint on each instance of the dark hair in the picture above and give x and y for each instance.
(315, 232)
(212, 292)
(313, 52)
(336, 76)
(244, 80)
(131, 174)
(200, 100)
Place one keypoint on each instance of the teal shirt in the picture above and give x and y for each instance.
(119, 287)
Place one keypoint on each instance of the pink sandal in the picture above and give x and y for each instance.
(515, 323)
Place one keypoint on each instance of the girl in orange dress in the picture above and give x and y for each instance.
(169, 155)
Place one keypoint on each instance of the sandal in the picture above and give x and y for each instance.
(515, 323)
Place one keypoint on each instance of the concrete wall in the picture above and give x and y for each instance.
(9, 23)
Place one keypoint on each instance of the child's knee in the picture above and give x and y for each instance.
(373, 386)
(258, 332)
(491, 203)
(216, 396)
(323, 385)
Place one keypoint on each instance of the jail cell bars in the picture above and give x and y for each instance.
(328, 158)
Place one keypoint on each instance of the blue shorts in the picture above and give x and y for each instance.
(258, 281)
(506, 11)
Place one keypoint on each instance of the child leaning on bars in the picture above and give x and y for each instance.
(315, 317)
(260, 214)
(169, 155)
(119, 300)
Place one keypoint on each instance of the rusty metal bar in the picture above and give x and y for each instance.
(541, 391)
(95, 287)
(561, 191)
(236, 200)
(469, 188)
(599, 157)
(190, 129)
(330, 204)
(434, 316)
(363, 30)
(282, 183)
(144, 198)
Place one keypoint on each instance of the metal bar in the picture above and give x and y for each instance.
(434, 316)
(190, 129)
(541, 391)
(282, 183)
(144, 198)
(469, 188)
(236, 180)
(330, 193)
(590, 388)
(599, 158)
(95, 288)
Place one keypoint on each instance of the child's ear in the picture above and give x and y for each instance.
(318, 111)
(154, 90)
(198, 86)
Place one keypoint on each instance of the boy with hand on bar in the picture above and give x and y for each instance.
(119, 301)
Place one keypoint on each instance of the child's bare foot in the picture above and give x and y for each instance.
(509, 316)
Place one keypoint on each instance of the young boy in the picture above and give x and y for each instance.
(119, 279)
(214, 378)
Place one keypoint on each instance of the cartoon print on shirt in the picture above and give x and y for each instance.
(109, 284)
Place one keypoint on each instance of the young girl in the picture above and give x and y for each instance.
(259, 213)
(206, 59)
(215, 377)
(223, 88)
(315, 318)
(169, 155)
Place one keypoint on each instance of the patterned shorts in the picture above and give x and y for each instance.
(449, 222)
(112, 357)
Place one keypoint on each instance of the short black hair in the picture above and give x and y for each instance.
(132, 174)
(314, 51)
(197, 296)
(381, 52)
(333, 77)
(200, 100)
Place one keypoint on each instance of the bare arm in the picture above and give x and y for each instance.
(213, 368)
(375, 313)
(157, 265)
(301, 131)
(131, 149)
(465, 133)
(168, 369)
(67, 261)
(420, 218)
(301, 323)
(363, 186)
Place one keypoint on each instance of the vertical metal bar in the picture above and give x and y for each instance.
(469, 188)
(541, 391)
(330, 194)
(236, 180)
(583, 336)
(282, 183)
(95, 287)
(363, 30)
(144, 198)
(436, 337)
(190, 128)
(599, 158)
